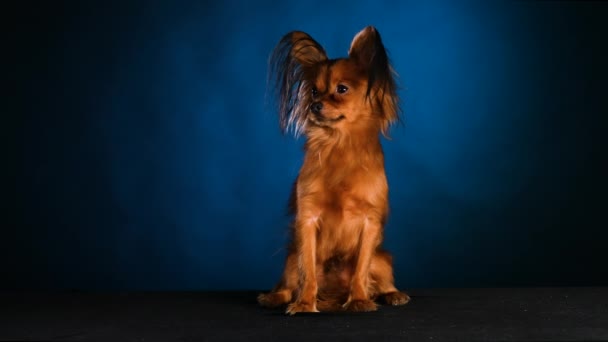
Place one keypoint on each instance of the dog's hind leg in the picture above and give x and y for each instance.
(283, 293)
(383, 284)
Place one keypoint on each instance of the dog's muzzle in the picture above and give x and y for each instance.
(317, 117)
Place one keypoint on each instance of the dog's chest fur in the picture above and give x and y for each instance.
(342, 186)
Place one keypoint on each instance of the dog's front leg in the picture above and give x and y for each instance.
(359, 299)
(306, 243)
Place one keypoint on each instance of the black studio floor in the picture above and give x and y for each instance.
(522, 314)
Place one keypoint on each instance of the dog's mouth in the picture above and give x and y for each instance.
(321, 120)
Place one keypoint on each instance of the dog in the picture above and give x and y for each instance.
(340, 197)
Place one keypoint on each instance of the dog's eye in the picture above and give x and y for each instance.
(341, 89)
(315, 92)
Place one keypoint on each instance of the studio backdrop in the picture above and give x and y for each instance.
(144, 153)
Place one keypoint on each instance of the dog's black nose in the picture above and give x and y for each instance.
(316, 107)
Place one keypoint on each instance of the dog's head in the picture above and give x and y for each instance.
(347, 94)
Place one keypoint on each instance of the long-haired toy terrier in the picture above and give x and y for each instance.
(340, 198)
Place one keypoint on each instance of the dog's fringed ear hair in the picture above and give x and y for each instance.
(295, 56)
(369, 52)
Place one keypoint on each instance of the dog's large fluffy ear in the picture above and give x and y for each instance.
(305, 49)
(295, 55)
(369, 52)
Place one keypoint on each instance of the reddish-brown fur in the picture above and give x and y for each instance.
(340, 199)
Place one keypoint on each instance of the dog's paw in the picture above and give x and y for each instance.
(396, 298)
(296, 307)
(273, 299)
(360, 305)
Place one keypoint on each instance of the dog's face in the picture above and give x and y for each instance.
(345, 94)
(338, 95)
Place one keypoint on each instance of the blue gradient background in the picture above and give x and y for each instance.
(146, 157)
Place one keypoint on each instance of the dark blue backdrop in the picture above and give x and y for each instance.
(145, 157)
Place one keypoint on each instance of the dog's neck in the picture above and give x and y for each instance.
(327, 145)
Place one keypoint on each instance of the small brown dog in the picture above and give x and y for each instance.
(340, 198)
